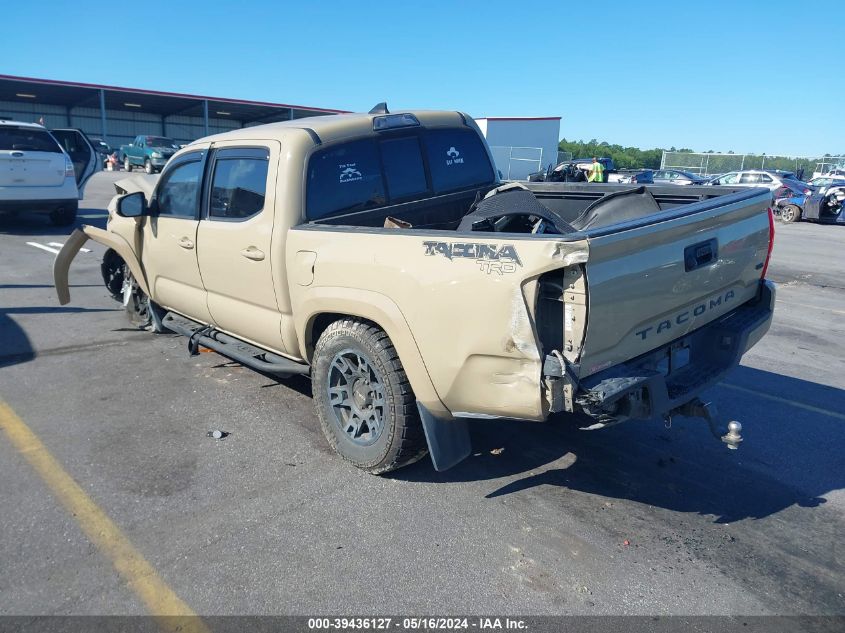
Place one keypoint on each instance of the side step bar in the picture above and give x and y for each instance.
(233, 348)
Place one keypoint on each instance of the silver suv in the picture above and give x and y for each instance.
(44, 171)
(771, 180)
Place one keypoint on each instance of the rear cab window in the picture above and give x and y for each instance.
(344, 178)
(458, 160)
(377, 171)
(27, 140)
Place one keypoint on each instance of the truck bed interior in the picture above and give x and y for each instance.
(577, 206)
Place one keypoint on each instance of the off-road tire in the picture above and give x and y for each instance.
(148, 167)
(790, 213)
(64, 215)
(401, 441)
(127, 166)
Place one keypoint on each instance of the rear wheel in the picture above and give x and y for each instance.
(366, 407)
(790, 213)
(127, 166)
(148, 167)
(64, 215)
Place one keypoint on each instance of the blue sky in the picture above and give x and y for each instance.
(747, 76)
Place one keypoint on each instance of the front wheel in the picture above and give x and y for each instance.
(142, 312)
(366, 407)
(127, 166)
(148, 167)
(790, 213)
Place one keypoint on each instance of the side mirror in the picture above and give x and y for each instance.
(132, 205)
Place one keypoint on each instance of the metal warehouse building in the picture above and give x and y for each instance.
(117, 115)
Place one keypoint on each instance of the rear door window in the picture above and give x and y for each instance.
(457, 160)
(343, 179)
(239, 183)
(403, 167)
(27, 140)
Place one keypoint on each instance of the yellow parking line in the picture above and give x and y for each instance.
(792, 403)
(171, 613)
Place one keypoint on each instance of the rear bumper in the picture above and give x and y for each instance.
(648, 387)
(42, 206)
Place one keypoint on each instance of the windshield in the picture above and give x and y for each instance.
(160, 141)
(28, 139)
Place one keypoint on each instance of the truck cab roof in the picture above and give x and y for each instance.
(337, 127)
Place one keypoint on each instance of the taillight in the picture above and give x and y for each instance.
(771, 242)
(69, 173)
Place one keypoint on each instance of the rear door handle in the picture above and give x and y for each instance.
(185, 242)
(250, 252)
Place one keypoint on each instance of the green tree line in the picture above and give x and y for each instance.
(636, 158)
(623, 157)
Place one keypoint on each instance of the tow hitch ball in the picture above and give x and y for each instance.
(732, 436)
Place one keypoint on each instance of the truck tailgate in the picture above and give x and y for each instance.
(650, 283)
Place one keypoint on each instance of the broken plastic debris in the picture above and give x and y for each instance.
(626, 542)
(497, 451)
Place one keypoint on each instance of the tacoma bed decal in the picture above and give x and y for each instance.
(490, 258)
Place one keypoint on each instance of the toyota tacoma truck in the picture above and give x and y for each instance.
(379, 254)
(149, 152)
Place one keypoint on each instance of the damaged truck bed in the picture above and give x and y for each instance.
(379, 254)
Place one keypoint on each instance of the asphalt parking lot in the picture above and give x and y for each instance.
(268, 520)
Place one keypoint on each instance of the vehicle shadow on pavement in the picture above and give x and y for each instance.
(15, 345)
(791, 455)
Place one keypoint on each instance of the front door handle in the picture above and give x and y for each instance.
(185, 242)
(250, 252)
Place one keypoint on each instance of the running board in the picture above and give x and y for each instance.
(231, 347)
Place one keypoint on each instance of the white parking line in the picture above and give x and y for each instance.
(786, 401)
(59, 245)
(806, 305)
(43, 248)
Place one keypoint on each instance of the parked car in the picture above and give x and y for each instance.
(826, 207)
(44, 171)
(771, 180)
(103, 149)
(632, 176)
(574, 170)
(789, 200)
(149, 152)
(363, 249)
(821, 183)
(677, 177)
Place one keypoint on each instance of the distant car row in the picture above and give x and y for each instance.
(148, 152)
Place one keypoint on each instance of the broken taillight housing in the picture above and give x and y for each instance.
(771, 242)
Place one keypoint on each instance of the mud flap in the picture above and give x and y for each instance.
(62, 263)
(448, 440)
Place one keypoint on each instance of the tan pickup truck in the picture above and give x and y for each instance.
(380, 254)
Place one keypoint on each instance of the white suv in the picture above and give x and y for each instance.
(43, 171)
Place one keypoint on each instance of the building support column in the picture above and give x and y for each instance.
(205, 115)
(103, 115)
